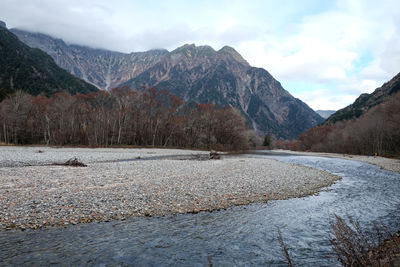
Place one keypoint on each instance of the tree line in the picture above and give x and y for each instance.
(122, 116)
(377, 132)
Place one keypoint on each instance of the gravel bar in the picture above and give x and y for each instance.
(121, 183)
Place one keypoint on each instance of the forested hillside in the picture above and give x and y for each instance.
(366, 102)
(370, 126)
(377, 131)
(32, 70)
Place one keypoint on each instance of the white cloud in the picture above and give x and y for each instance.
(357, 87)
(321, 43)
(325, 99)
(326, 50)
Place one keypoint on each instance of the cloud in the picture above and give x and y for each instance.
(319, 43)
(74, 21)
(326, 50)
(324, 99)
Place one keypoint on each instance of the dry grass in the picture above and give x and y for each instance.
(355, 247)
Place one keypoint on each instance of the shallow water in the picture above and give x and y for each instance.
(241, 236)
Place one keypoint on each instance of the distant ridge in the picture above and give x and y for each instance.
(103, 68)
(325, 113)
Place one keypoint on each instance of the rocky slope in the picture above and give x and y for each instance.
(223, 77)
(32, 70)
(366, 101)
(104, 69)
(198, 74)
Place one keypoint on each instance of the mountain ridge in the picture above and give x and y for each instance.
(229, 80)
(366, 101)
(32, 70)
(195, 73)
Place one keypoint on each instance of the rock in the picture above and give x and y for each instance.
(147, 214)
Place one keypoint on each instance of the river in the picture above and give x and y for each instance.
(240, 236)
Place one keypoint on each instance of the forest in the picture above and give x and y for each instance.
(122, 116)
(377, 132)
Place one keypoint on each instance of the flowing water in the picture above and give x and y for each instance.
(238, 236)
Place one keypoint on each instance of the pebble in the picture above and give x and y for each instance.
(34, 195)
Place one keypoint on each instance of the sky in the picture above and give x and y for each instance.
(324, 52)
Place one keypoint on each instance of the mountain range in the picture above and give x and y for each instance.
(194, 73)
(32, 70)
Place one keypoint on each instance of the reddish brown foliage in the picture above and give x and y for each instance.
(122, 116)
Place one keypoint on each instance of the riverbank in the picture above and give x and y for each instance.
(121, 183)
(384, 163)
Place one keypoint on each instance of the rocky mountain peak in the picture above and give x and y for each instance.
(230, 51)
(3, 24)
(191, 50)
(194, 73)
(194, 55)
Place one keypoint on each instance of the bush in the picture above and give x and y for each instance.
(355, 247)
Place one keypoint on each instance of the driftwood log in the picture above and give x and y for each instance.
(214, 155)
(74, 162)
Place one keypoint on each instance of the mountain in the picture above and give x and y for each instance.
(325, 113)
(223, 77)
(195, 73)
(366, 101)
(102, 68)
(32, 70)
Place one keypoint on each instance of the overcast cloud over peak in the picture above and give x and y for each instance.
(325, 52)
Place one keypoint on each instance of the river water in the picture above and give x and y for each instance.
(238, 236)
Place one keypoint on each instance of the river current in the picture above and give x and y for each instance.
(238, 236)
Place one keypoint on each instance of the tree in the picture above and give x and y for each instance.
(14, 117)
(121, 116)
(267, 140)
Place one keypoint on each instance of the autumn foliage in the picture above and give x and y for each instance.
(375, 132)
(122, 116)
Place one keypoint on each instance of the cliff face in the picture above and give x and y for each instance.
(198, 74)
(366, 101)
(102, 68)
(223, 77)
